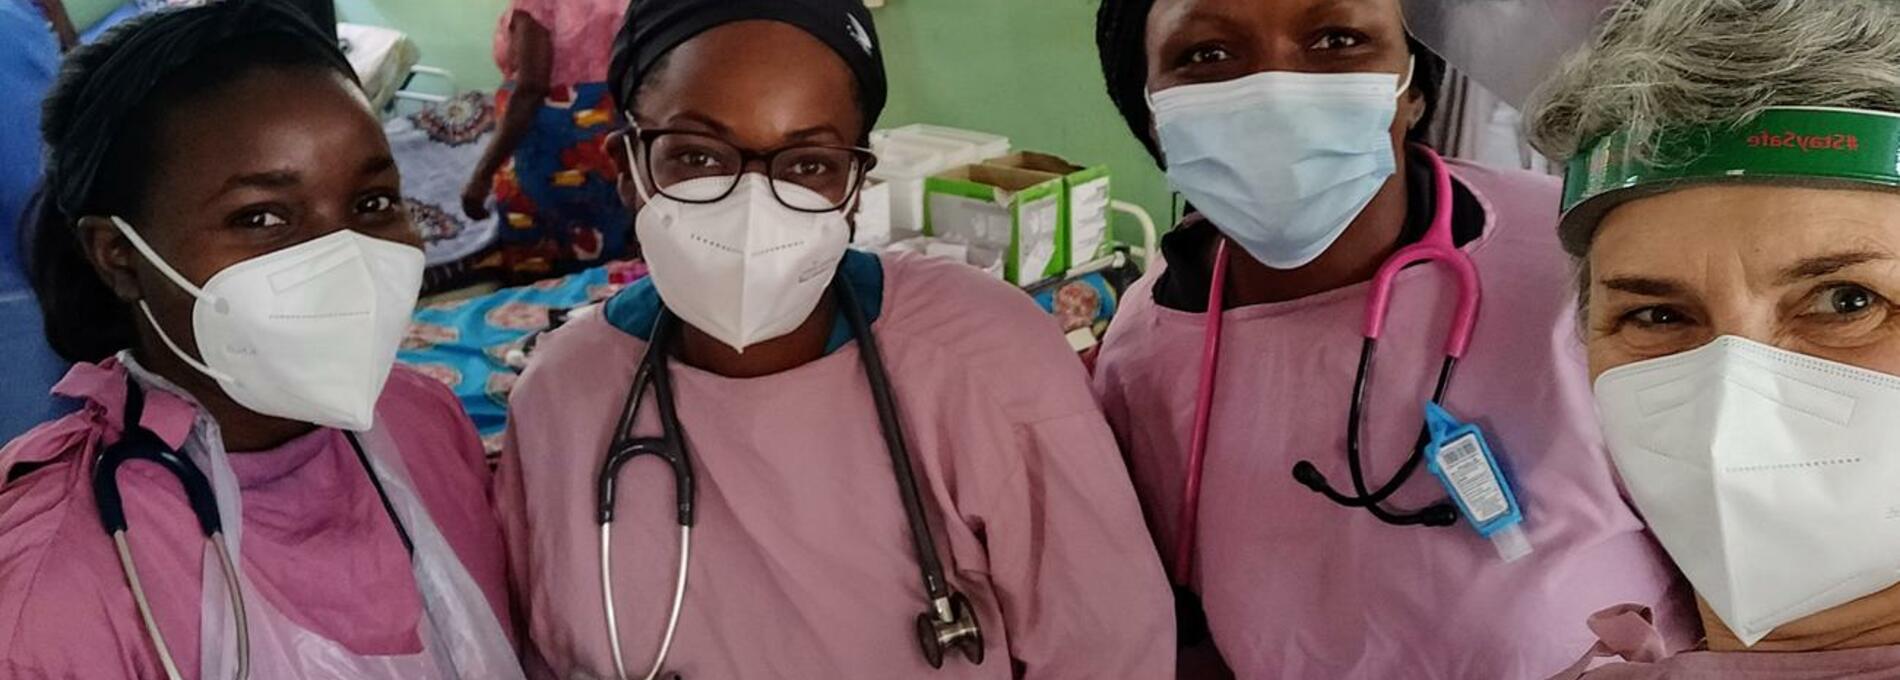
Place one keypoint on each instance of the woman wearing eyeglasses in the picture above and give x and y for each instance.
(787, 397)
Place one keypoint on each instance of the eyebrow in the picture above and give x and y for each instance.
(268, 179)
(378, 165)
(1825, 265)
(1645, 286)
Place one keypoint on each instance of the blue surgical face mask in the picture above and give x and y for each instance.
(1280, 161)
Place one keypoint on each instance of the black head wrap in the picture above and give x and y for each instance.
(1121, 32)
(654, 27)
(104, 83)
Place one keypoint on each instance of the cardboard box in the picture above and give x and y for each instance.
(1085, 201)
(1010, 209)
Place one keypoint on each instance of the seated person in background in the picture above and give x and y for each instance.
(835, 514)
(1733, 202)
(223, 253)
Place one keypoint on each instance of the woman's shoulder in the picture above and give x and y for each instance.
(62, 596)
(986, 326)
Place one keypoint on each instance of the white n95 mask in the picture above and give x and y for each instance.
(1772, 478)
(1281, 162)
(307, 333)
(745, 269)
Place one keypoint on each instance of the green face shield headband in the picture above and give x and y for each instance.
(1793, 146)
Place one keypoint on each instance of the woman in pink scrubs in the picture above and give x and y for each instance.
(743, 160)
(1733, 205)
(1285, 125)
(223, 253)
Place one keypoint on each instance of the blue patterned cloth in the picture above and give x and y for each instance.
(465, 344)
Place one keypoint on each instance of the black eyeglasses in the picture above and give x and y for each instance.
(694, 167)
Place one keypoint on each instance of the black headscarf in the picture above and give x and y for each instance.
(103, 83)
(1121, 32)
(654, 27)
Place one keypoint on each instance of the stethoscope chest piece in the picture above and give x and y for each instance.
(950, 625)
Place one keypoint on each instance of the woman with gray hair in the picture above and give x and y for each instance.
(1733, 199)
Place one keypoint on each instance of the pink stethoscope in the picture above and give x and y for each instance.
(1437, 246)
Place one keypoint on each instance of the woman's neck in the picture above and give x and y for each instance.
(803, 345)
(244, 430)
(1872, 621)
(1355, 257)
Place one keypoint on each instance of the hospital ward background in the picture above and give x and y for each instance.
(999, 149)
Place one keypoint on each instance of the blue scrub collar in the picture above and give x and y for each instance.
(634, 310)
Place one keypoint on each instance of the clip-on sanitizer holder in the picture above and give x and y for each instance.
(1462, 460)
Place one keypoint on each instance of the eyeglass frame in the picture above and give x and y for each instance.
(867, 159)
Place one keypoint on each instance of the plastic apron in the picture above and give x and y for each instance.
(461, 636)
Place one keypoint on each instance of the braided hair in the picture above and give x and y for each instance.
(1121, 29)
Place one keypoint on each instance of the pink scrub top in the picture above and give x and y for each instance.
(1298, 587)
(1626, 633)
(802, 562)
(582, 32)
(317, 542)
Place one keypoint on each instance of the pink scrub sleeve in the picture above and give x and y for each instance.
(65, 608)
(1066, 560)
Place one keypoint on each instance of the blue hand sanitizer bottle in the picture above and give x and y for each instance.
(1461, 460)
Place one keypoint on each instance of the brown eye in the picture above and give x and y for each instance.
(1652, 317)
(1337, 40)
(1202, 55)
(376, 205)
(260, 219)
(1844, 301)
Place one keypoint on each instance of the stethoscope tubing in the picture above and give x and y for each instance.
(140, 444)
(1436, 247)
(672, 447)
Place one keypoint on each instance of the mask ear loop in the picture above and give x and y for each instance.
(217, 303)
(1411, 69)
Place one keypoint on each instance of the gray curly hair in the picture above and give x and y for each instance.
(1663, 64)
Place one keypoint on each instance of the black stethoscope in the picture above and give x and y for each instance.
(137, 443)
(950, 621)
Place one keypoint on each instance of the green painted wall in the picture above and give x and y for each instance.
(457, 35)
(1022, 68)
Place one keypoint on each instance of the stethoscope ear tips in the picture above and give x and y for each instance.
(1305, 473)
(961, 632)
(1440, 516)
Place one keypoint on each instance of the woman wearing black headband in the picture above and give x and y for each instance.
(223, 252)
(1291, 126)
(805, 561)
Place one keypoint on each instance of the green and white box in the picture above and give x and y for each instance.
(1010, 209)
(1085, 201)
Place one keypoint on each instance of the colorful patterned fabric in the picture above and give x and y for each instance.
(559, 207)
(434, 148)
(466, 344)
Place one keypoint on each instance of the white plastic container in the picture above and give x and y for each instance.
(970, 146)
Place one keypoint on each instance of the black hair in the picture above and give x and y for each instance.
(1121, 29)
(99, 123)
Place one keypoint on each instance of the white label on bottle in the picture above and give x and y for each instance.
(1471, 476)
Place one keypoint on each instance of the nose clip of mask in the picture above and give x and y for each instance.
(950, 624)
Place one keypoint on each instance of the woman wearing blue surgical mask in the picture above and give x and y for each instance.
(246, 487)
(1296, 490)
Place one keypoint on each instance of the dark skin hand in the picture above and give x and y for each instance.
(1203, 41)
(533, 54)
(760, 85)
(276, 158)
(55, 11)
